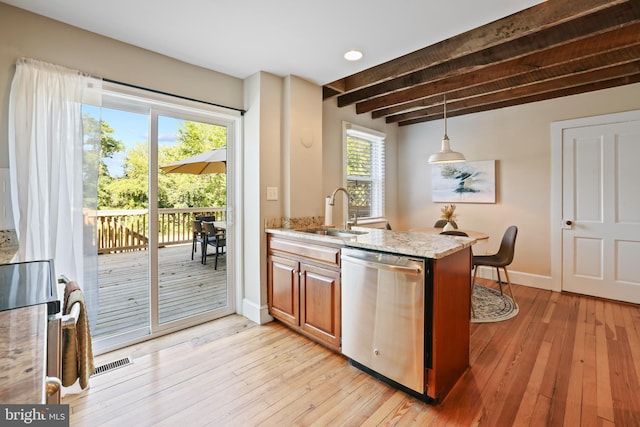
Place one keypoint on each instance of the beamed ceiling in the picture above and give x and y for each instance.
(553, 49)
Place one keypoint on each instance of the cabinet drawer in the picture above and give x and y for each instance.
(319, 253)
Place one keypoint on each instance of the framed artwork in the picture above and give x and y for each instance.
(468, 182)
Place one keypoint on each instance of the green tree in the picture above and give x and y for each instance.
(178, 190)
(99, 145)
(175, 190)
(131, 190)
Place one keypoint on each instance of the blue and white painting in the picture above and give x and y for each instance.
(467, 182)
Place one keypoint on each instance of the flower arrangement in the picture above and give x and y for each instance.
(448, 212)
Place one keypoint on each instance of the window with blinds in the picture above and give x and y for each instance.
(364, 165)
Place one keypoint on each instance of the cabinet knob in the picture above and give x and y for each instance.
(568, 222)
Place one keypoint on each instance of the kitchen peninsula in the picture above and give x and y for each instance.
(306, 282)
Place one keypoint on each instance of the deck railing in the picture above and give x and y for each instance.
(127, 230)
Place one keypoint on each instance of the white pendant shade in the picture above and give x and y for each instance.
(446, 155)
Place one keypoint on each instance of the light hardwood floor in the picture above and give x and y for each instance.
(563, 360)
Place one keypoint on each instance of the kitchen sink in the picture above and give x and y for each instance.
(334, 232)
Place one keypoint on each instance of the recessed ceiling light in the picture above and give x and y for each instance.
(353, 55)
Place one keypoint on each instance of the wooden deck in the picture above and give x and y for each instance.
(186, 287)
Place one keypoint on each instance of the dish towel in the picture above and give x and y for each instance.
(77, 352)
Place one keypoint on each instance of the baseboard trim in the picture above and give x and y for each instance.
(256, 313)
(519, 278)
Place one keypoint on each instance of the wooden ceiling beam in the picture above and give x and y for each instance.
(563, 70)
(590, 87)
(556, 48)
(565, 86)
(328, 92)
(527, 22)
(568, 33)
(598, 45)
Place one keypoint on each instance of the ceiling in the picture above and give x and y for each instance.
(483, 55)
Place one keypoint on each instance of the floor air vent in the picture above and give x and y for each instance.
(102, 369)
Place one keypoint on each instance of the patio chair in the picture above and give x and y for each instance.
(215, 237)
(198, 237)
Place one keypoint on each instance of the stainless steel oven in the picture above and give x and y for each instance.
(384, 330)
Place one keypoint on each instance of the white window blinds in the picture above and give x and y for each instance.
(364, 165)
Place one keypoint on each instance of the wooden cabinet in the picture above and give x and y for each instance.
(304, 292)
(450, 318)
(283, 289)
(304, 287)
(320, 304)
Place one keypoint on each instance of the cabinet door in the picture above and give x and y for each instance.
(283, 287)
(320, 304)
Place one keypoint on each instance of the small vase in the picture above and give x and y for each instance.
(448, 227)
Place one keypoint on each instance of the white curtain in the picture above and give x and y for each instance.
(46, 165)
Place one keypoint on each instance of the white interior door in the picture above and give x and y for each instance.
(601, 210)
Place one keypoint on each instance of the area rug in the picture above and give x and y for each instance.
(491, 306)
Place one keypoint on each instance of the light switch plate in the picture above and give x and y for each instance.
(272, 193)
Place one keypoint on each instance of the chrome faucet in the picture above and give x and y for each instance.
(332, 201)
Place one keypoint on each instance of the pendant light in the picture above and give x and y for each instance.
(445, 155)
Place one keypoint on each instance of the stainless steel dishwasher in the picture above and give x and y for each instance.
(383, 316)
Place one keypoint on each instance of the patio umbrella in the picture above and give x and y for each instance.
(214, 161)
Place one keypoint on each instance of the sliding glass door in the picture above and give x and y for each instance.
(192, 192)
(122, 226)
(153, 277)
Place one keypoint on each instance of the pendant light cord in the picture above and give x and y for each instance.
(445, 115)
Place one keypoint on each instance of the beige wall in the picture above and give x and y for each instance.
(519, 138)
(23, 34)
(332, 118)
(302, 149)
(282, 149)
(262, 146)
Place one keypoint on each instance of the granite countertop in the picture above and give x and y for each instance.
(6, 254)
(423, 245)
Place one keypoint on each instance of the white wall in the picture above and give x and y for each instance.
(519, 139)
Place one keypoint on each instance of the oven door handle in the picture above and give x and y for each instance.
(383, 266)
(52, 384)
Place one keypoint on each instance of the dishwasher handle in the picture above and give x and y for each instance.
(415, 269)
